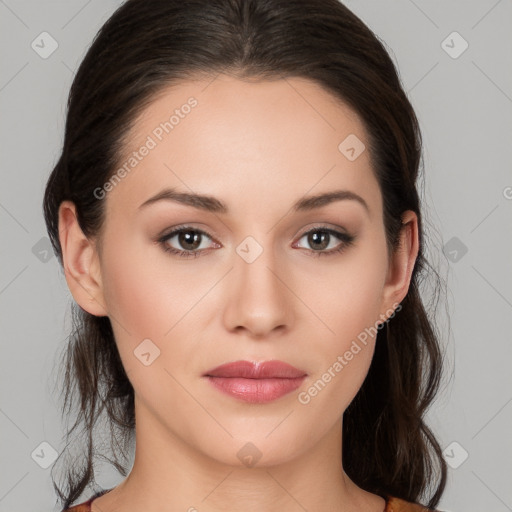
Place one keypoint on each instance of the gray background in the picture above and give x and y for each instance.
(464, 105)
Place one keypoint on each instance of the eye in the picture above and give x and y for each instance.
(190, 241)
(188, 238)
(321, 237)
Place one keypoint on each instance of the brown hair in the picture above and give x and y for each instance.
(147, 45)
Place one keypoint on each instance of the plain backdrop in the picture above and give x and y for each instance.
(454, 60)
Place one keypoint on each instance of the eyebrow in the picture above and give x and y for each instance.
(212, 204)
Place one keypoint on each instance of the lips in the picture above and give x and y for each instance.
(250, 370)
(256, 382)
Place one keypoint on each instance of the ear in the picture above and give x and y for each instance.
(80, 262)
(401, 264)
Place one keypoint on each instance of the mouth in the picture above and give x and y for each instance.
(256, 382)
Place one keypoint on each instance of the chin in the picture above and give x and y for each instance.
(255, 450)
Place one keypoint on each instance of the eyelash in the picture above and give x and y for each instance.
(347, 241)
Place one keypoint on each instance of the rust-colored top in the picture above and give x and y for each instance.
(392, 505)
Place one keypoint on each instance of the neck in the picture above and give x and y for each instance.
(169, 474)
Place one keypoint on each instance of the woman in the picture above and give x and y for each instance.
(236, 213)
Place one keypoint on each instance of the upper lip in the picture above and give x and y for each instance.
(256, 370)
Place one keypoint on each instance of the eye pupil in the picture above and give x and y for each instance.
(189, 241)
(319, 237)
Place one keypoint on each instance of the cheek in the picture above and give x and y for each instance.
(149, 295)
(347, 300)
(330, 391)
(343, 356)
(145, 290)
(347, 295)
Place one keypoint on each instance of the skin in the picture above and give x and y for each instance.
(258, 146)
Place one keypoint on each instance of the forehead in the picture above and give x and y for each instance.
(248, 142)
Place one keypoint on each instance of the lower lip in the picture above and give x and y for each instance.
(257, 391)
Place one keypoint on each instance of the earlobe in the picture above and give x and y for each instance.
(80, 262)
(402, 263)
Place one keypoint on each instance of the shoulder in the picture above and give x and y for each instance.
(392, 505)
(81, 507)
(86, 505)
(398, 505)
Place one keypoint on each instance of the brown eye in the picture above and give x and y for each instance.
(321, 238)
(188, 241)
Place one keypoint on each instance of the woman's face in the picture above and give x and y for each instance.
(260, 279)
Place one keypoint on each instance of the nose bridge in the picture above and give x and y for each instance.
(254, 263)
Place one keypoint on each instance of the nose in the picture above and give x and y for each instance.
(258, 299)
